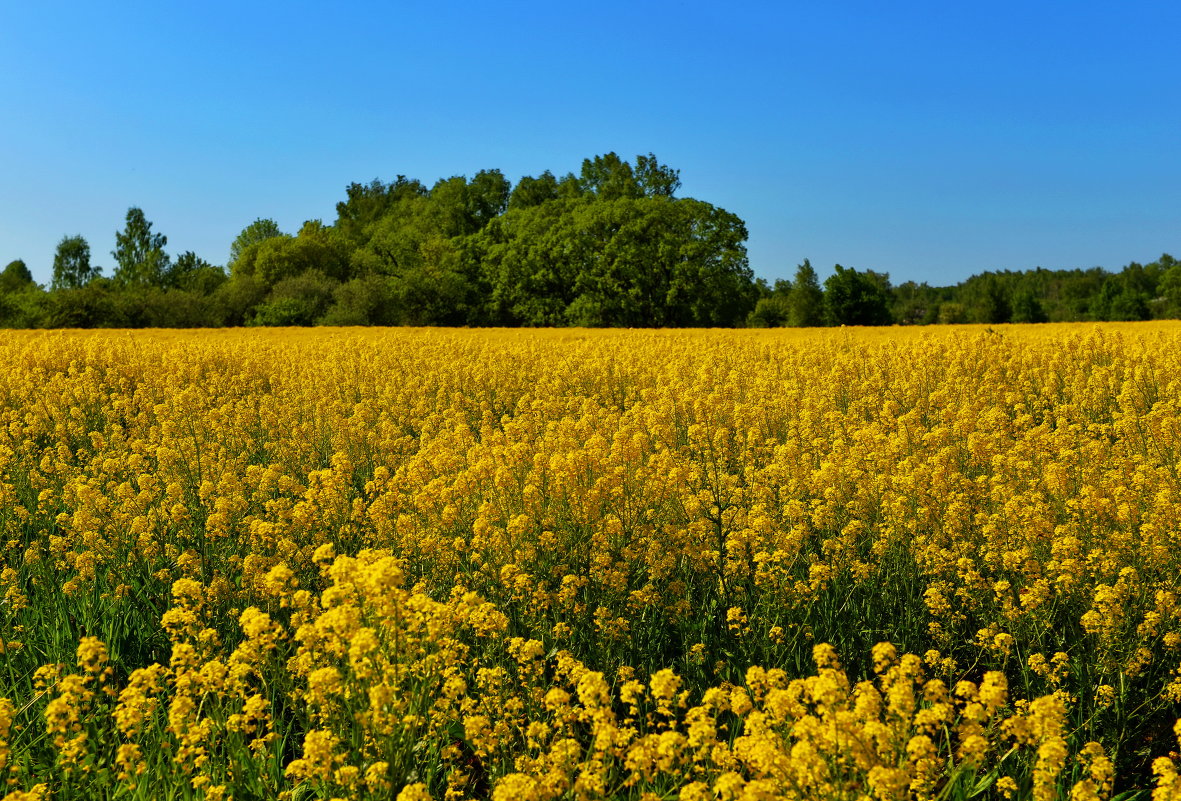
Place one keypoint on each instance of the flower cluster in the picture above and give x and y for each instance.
(570, 564)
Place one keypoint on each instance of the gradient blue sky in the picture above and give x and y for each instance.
(931, 140)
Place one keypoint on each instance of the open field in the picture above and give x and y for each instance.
(523, 564)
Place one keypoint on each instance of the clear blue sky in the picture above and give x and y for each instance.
(932, 140)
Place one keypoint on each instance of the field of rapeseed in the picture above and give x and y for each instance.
(871, 564)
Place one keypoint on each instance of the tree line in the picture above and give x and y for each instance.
(610, 246)
(853, 297)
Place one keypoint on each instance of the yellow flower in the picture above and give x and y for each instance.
(414, 792)
(1006, 786)
(884, 656)
(319, 757)
(665, 684)
(323, 683)
(994, 690)
(377, 778)
(129, 759)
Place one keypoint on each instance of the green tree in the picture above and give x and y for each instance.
(769, 312)
(236, 299)
(367, 300)
(22, 300)
(299, 300)
(704, 254)
(654, 178)
(952, 314)
(422, 246)
(532, 191)
(609, 177)
(192, 273)
(260, 230)
(264, 249)
(1075, 294)
(915, 304)
(487, 197)
(16, 276)
(365, 204)
(1120, 299)
(71, 263)
(857, 298)
(140, 253)
(95, 304)
(570, 188)
(634, 261)
(1028, 308)
(528, 258)
(156, 307)
(456, 206)
(806, 305)
(25, 308)
(1169, 288)
(316, 247)
(988, 298)
(436, 291)
(773, 305)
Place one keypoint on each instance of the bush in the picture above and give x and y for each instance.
(296, 301)
(363, 301)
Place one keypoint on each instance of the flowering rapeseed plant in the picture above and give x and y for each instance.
(883, 564)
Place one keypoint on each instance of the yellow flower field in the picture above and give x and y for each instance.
(410, 564)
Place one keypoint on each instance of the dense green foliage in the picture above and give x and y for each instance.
(71, 263)
(1137, 292)
(611, 246)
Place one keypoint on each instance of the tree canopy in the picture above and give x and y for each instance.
(71, 263)
(610, 244)
(16, 276)
(140, 253)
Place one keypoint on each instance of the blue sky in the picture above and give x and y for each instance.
(930, 140)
